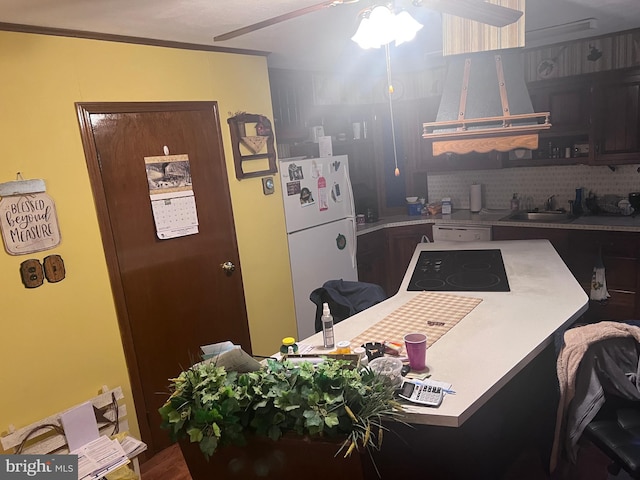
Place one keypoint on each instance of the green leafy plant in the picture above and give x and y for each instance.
(214, 407)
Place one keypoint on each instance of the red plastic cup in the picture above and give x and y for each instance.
(416, 344)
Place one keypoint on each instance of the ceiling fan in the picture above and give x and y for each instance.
(476, 10)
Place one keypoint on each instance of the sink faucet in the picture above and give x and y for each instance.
(550, 203)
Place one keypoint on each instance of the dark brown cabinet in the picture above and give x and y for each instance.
(292, 97)
(384, 255)
(371, 258)
(401, 243)
(620, 253)
(559, 238)
(617, 133)
(620, 256)
(570, 104)
(568, 101)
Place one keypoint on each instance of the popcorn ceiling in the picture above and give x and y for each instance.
(533, 184)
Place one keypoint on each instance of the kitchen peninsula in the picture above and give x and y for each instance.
(498, 358)
(498, 337)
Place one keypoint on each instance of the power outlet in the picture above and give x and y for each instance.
(268, 186)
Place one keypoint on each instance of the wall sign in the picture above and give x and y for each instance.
(29, 223)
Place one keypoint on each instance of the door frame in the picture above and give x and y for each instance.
(84, 111)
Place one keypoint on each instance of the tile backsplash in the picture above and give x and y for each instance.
(533, 184)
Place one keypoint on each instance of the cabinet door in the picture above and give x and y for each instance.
(558, 237)
(371, 258)
(619, 120)
(619, 252)
(292, 96)
(362, 171)
(569, 102)
(401, 243)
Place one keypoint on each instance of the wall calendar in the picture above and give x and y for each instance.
(172, 199)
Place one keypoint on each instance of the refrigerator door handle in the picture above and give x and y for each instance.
(354, 243)
(352, 204)
(352, 219)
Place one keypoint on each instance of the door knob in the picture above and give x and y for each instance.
(228, 267)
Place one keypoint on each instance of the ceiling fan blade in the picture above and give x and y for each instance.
(479, 11)
(273, 20)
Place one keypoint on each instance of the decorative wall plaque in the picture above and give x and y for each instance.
(29, 223)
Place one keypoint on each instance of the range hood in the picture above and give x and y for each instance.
(485, 106)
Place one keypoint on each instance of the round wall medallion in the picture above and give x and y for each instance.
(547, 68)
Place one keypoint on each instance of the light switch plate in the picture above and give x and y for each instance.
(267, 185)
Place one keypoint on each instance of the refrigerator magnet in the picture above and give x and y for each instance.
(293, 188)
(336, 192)
(295, 172)
(306, 198)
(341, 241)
(316, 170)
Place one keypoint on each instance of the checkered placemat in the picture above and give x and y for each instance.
(433, 314)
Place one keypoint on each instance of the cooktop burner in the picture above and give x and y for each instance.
(460, 270)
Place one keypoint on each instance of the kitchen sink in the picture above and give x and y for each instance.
(542, 217)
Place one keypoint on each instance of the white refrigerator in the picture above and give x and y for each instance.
(321, 228)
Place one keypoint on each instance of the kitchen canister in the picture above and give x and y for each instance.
(414, 208)
(475, 198)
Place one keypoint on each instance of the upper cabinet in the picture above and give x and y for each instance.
(292, 98)
(617, 111)
(568, 100)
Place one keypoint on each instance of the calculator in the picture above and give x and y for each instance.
(424, 394)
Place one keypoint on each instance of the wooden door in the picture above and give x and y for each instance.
(171, 295)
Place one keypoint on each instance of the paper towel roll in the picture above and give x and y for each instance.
(475, 198)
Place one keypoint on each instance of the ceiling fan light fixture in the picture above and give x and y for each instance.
(406, 27)
(382, 26)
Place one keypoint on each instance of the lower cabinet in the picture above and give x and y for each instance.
(384, 255)
(371, 256)
(559, 238)
(580, 250)
(620, 255)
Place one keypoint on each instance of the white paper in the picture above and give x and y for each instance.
(100, 457)
(174, 214)
(80, 425)
(132, 446)
(325, 147)
(217, 348)
(235, 360)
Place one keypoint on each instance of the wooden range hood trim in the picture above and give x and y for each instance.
(463, 146)
(506, 131)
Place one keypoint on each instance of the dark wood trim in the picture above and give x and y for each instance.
(84, 111)
(108, 37)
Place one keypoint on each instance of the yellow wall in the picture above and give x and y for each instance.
(61, 342)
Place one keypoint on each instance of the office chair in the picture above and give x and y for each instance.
(606, 405)
(616, 432)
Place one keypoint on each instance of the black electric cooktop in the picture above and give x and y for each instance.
(460, 270)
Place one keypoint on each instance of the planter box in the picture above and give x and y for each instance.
(263, 458)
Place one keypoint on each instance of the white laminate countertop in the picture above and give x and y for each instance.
(499, 217)
(496, 339)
